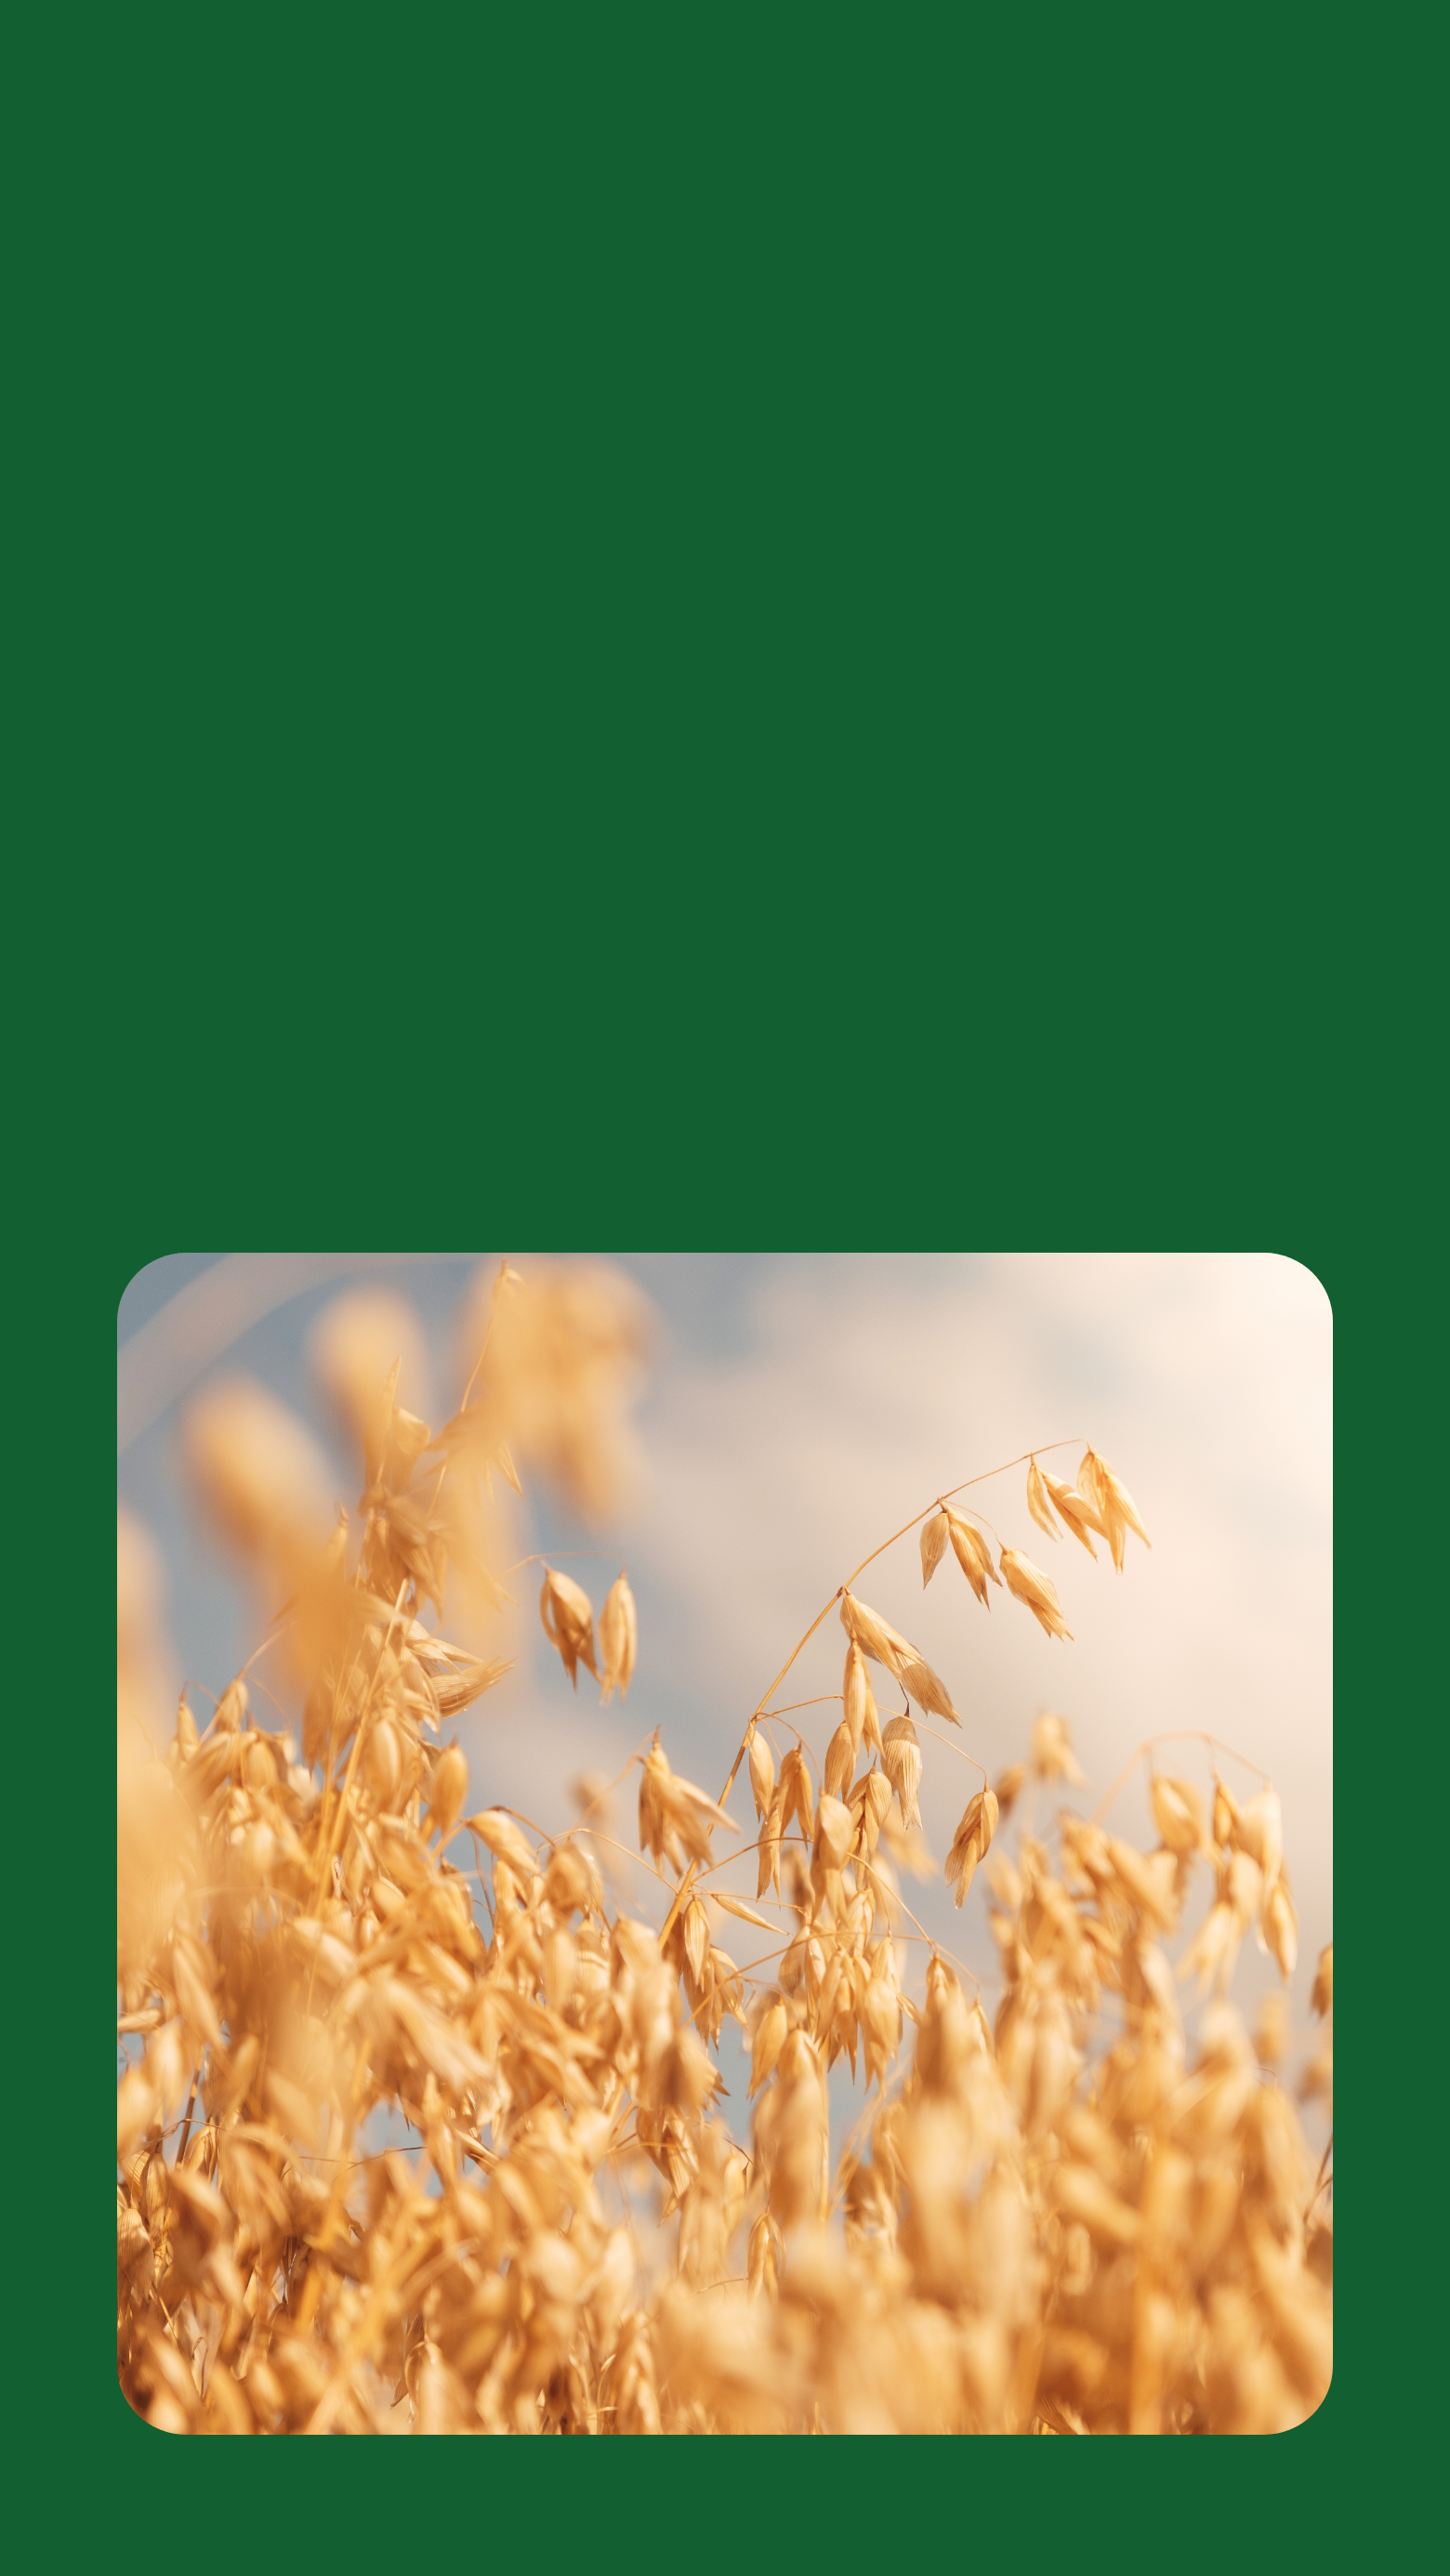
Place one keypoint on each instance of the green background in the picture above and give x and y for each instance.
(892, 542)
(793, 626)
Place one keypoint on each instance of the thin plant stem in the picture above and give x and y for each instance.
(763, 1709)
(581, 1827)
(1171, 1735)
(938, 1738)
(937, 1946)
(186, 2123)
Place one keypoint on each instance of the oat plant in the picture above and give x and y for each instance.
(1062, 2218)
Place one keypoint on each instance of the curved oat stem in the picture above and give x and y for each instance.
(938, 1738)
(582, 1826)
(894, 1897)
(819, 1701)
(763, 1710)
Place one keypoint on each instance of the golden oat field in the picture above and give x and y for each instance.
(1086, 2205)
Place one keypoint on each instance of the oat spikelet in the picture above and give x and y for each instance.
(762, 1771)
(871, 1801)
(366, 1347)
(618, 1640)
(1259, 1831)
(901, 1762)
(500, 1835)
(1037, 1503)
(561, 1353)
(933, 1541)
(746, 1913)
(1225, 1814)
(676, 1819)
(971, 1842)
(1052, 1754)
(1010, 1785)
(1117, 1513)
(794, 1792)
(858, 1701)
(1178, 1815)
(1029, 1584)
(854, 1687)
(973, 1555)
(447, 1793)
(1281, 1924)
(260, 1474)
(763, 2256)
(1076, 1513)
(835, 1833)
(568, 1616)
(772, 1830)
(877, 1638)
(770, 2033)
(840, 1761)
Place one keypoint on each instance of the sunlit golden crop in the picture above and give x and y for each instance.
(1068, 2219)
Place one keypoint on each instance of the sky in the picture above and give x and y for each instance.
(797, 1410)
